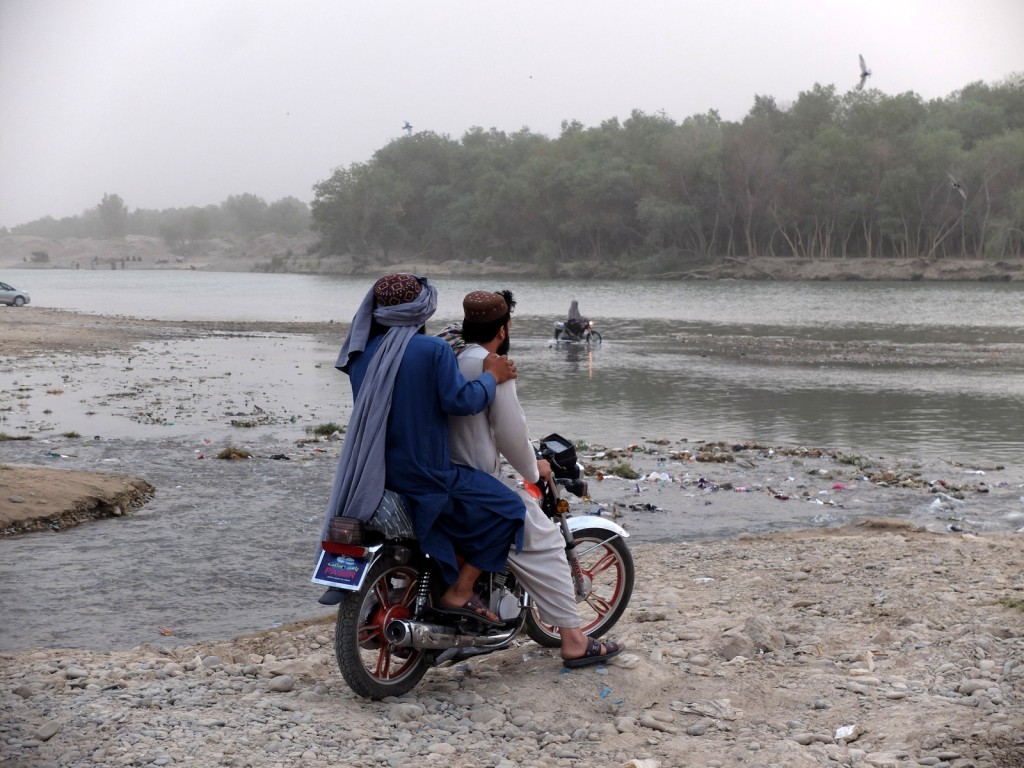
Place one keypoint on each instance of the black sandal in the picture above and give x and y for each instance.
(593, 653)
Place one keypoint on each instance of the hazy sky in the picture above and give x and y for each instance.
(172, 103)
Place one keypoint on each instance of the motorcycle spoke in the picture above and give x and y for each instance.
(408, 594)
(608, 560)
(601, 606)
(380, 590)
(383, 668)
(369, 631)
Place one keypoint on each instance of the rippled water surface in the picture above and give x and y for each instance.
(640, 382)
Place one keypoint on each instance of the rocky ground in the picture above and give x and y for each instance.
(876, 644)
(873, 646)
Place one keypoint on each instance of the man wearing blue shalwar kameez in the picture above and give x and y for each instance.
(405, 385)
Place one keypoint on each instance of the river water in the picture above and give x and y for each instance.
(227, 547)
(641, 381)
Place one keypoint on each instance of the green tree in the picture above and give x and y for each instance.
(113, 216)
(246, 214)
(288, 216)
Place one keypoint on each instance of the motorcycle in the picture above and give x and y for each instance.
(585, 335)
(388, 633)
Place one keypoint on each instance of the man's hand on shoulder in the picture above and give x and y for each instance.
(501, 368)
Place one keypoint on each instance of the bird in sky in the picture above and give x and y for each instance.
(865, 73)
(407, 128)
(957, 185)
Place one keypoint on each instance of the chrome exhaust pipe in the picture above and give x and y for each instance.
(422, 635)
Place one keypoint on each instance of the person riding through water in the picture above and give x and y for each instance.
(481, 440)
(576, 322)
(405, 384)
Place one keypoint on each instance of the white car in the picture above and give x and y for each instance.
(12, 296)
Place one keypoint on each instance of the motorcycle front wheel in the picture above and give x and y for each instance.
(607, 566)
(594, 338)
(372, 666)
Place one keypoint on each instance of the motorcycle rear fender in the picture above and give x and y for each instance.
(593, 521)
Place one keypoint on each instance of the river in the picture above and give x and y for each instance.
(642, 382)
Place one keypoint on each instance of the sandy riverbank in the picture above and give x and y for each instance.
(876, 644)
(297, 254)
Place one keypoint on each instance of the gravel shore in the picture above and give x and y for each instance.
(877, 645)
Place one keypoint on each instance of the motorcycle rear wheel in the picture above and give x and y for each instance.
(607, 564)
(372, 666)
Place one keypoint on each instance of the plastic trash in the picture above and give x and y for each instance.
(645, 507)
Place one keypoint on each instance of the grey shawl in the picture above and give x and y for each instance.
(574, 312)
(359, 481)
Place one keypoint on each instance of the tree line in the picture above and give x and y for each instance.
(244, 215)
(859, 174)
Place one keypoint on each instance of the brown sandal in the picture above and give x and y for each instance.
(593, 653)
(473, 608)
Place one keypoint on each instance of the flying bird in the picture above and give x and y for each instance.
(407, 128)
(957, 185)
(865, 73)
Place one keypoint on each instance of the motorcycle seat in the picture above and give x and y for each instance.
(392, 519)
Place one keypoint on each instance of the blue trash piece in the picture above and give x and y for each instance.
(606, 692)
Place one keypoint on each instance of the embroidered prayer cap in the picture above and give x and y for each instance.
(484, 307)
(392, 290)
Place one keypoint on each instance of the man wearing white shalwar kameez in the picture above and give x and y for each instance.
(500, 430)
